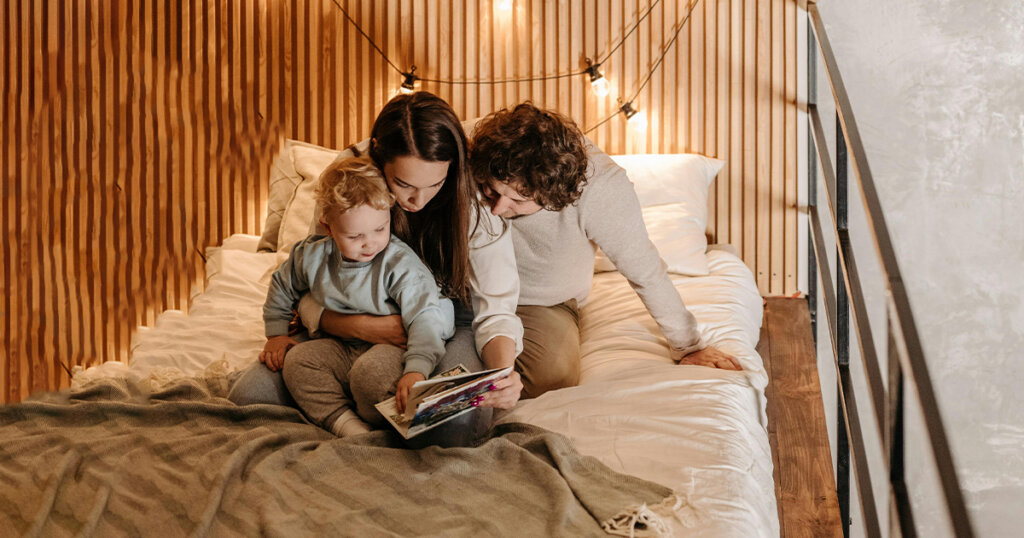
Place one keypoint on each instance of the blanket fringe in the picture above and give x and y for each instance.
(216, 377)
(644, 520)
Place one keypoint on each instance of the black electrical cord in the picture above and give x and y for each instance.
(631, 30)
(501, 81)
(664, 52)
(592, 68)
(385, 56)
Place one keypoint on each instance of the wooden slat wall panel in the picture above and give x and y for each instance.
(135, 135)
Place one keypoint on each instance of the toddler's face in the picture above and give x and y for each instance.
(360, 233)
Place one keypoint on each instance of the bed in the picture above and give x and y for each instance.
(697, 431)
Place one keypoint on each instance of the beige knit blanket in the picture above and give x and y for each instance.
(114, 459)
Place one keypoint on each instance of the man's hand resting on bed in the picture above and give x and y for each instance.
(275, 350)
(712, 358)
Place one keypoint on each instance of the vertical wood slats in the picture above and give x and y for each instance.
(136, 135)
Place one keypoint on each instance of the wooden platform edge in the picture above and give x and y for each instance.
(804, 483)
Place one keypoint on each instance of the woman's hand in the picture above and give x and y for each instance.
(274, 351)
(712, 358)
(402, 390)
(383, 330)
(365, 327)
(505, 393)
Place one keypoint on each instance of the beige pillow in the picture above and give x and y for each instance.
(293, 177)
(283, 181)
(308, 161)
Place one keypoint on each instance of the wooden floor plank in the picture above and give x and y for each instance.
(804, 483)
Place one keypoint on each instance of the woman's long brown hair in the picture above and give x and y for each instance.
(423, 125)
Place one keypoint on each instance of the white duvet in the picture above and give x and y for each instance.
(697, 430)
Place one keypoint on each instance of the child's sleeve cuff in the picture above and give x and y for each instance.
(420, 365)
(276, 327)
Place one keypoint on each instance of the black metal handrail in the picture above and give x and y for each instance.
(905, 353)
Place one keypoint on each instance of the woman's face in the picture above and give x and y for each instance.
(414, 181)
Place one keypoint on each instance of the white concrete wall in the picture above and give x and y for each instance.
(938, 91)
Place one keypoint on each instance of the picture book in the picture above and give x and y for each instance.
(437, 400)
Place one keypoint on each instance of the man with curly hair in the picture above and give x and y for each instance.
(561, 196)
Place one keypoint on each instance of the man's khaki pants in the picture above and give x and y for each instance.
(551, 348)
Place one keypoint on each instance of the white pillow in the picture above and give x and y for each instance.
(672, 178)
(673, 192)
(680, 241)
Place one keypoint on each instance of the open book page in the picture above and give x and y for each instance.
(439, 399)
(434, 385)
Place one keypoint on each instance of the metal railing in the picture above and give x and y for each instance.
(905, 355)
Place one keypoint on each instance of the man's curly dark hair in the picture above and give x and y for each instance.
(543, 153)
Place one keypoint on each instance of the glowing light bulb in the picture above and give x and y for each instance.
(638, 123)
(597, 81)
(636, 119)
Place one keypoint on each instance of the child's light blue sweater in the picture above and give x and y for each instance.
(394, 282)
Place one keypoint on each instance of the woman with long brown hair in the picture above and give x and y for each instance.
(420, 146)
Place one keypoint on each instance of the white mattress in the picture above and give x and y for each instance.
(697, 430)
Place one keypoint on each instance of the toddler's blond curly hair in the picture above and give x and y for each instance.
(350, 182)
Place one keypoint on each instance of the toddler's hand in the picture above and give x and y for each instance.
(275, 350)
(402, 390)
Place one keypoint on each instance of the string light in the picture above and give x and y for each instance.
(597, 81)
(635, 118)
(628, 111)
(501, 4)
(408, 81)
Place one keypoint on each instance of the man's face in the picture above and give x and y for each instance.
(505, 200)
